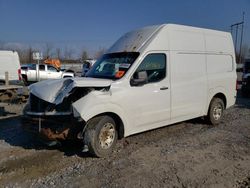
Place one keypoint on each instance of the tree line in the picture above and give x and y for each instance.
(66, 54)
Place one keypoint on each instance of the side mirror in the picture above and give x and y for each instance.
(139, 78)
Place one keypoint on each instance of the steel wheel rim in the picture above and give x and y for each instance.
(107, 135)
(217, 112)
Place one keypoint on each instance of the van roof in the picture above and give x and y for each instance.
(7, 52)
(133, 40)
(136, 40)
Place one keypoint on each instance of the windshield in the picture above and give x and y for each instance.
(28, 66)
(113, 66)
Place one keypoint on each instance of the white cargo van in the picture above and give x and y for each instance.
(151, 77)
(9, 62)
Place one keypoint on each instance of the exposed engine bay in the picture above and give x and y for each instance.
(49, 109)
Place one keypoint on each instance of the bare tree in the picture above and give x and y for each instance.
(84, 55)
(48, 50)
(30, 52)
(99, 53)
(68, 53)
(24, 52)
(23, 55)
(58, 53)
(244, 52)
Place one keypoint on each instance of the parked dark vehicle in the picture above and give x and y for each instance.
(87, 64)
(245, 90)
(246, 87)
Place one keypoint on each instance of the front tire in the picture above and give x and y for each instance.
(215, 111)
(101, 136)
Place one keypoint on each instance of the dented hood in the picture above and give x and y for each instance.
(54, 91)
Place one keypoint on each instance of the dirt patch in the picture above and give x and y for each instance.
(244, 183)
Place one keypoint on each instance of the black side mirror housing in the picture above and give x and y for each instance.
(139, 78)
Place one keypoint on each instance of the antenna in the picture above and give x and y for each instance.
(241, 38)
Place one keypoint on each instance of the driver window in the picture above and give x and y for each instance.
(52, 69)
(155, 66)
(41, 67)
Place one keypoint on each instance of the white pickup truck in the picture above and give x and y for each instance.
(30, 73)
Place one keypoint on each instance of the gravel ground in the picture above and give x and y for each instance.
(188, 154)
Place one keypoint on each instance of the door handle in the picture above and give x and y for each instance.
(163, 88)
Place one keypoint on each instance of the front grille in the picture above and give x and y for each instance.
(39, 105)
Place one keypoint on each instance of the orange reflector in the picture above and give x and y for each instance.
(119, 74)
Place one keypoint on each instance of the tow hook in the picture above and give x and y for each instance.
(85, 148)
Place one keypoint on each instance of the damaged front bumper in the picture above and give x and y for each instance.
(53, 128)
(52, 122)
(49, 110)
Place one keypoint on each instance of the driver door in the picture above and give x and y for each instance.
(53, 73)
(151, 101)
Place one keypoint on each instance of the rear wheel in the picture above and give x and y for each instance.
(215, 111)
(25, 80)
(101, 136)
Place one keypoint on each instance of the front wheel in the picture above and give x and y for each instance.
(101, 136)
(215, 111)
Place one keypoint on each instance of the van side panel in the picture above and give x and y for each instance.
(218, 42)
(221, 66)
(188, 74)
(221, 77)
(217, 64)
(188, 41)
(188, 85)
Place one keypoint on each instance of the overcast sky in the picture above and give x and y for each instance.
(89, 25)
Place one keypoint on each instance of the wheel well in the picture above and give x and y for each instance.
(222, 97)
(69, 70)
(25, 79)
(24, 76)
(118, 122)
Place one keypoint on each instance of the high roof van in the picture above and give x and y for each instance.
(151, 77)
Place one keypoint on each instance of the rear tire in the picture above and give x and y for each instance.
(215, 111)
(25, 80)
(101, 136)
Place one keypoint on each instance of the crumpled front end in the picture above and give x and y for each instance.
(49, 109)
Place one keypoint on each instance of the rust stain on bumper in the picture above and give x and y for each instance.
(49, 134)
(52, 130)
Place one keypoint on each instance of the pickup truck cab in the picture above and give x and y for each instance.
(151, 77)
(30, 73)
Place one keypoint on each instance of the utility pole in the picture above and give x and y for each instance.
(241, 38)
(239, 25)
(38, 56)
